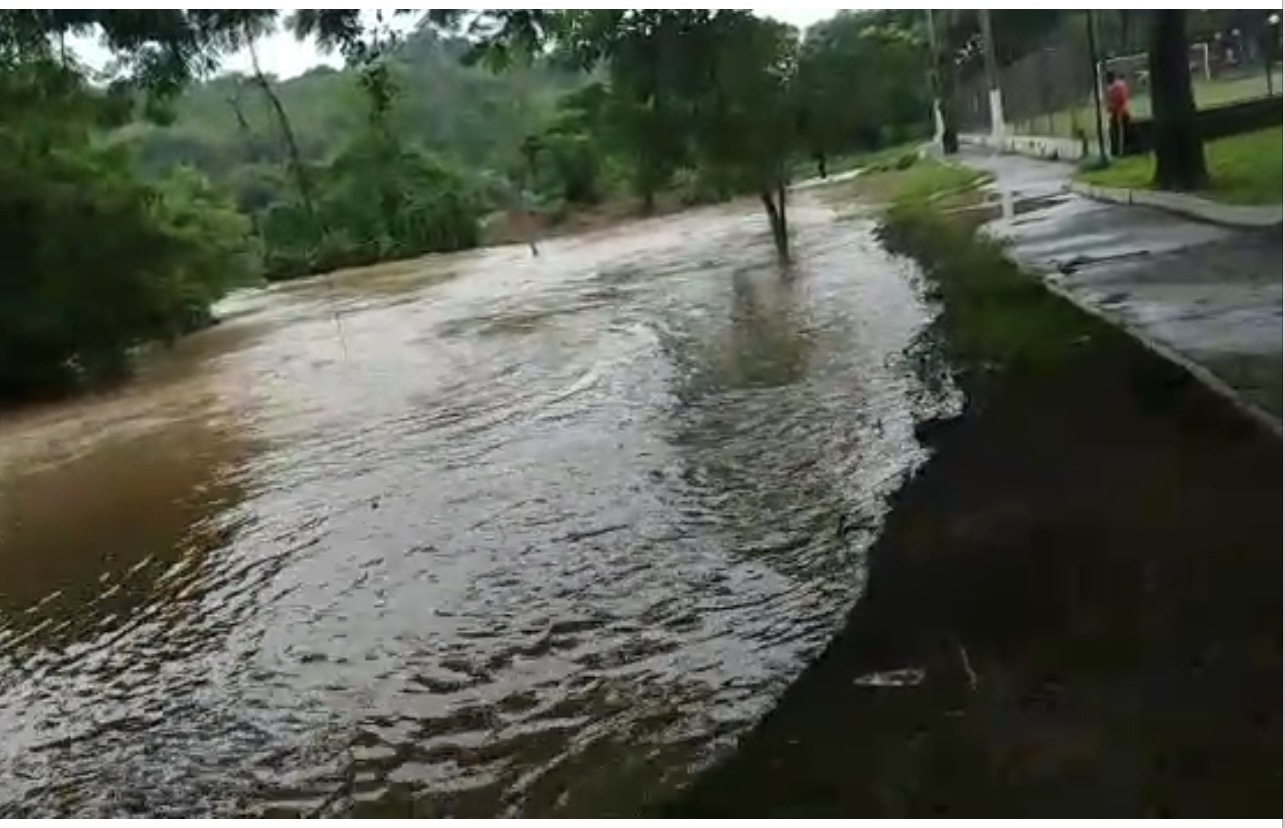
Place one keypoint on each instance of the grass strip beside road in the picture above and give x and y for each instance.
(805, 168)
(1243, 169)
(928, 180)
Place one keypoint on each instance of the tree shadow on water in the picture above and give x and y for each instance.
(749, 432)
(767, 345)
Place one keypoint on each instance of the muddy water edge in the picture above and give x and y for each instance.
(475, 535)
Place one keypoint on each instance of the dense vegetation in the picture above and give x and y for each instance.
(131, 206)
(97, 260)
(390, 158)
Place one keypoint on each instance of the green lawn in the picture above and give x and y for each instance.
(924, 180)
(1244, 169)
(804, 168)
(1207, 93)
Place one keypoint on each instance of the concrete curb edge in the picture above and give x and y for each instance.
(1202, 374)
(1202, 209)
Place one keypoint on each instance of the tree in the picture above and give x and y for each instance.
(377, 199)
(745, 111)
(466, 113)
(1179, 151)
(887, 59)
(245, 37)
(712, 86)
(100, 261)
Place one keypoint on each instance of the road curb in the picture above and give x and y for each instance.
(1199, 372)
(1231, 215)
(1049, 279)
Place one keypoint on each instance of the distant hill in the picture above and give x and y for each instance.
(470, 116)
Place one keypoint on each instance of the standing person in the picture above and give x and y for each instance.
(1118, 111)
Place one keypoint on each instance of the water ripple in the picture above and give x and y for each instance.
(541, 538)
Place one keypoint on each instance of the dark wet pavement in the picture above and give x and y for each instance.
(474, 535)
(1210, 293)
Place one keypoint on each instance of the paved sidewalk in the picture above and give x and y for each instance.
(1206, 295)
(1250, 216)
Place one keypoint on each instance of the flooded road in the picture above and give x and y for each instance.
(474, 535)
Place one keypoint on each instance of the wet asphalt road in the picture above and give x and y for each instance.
(1210, 293)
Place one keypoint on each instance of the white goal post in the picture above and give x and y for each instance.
(1135, 71)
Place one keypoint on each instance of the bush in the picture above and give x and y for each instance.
(375, 202)
(100, 263)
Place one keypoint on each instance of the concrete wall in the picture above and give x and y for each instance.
(1034, 146)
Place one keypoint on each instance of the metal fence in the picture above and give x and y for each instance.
(1049, 91)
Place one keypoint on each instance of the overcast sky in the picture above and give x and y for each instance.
(285, 57)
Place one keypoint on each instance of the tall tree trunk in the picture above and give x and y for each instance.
(292, 146)
(1180, 153)
(247, 135)
(946, 74)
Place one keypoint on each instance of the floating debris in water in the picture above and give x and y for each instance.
(905, 677)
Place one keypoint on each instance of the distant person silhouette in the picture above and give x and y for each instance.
(1118, 113)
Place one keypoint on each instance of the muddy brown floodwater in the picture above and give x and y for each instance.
(471, 535)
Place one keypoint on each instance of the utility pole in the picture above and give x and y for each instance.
(992, 75)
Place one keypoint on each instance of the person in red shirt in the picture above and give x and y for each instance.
(1118, 111)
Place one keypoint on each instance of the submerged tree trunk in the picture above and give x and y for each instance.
(1180, 153)
(774, 205)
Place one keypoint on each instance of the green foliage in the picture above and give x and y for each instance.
(925, 180)
(996, 317)
(1243, 169)
(375, 202)
(709, 89)
(744, 113)
(887, 62)
(399, 154)
(99, 261)
(720, 99)
(350, 167)
(476, 118)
